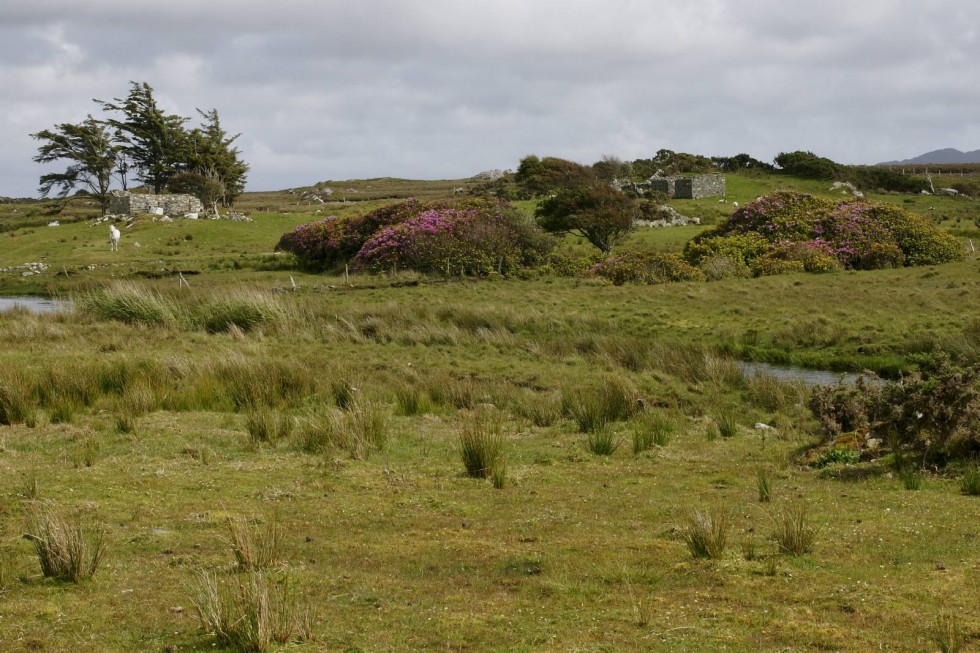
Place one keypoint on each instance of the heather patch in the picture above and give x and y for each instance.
(791, 231)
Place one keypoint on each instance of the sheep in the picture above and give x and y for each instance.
(113, 238)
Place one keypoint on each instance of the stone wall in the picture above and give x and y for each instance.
(686, 188)
(122, 203)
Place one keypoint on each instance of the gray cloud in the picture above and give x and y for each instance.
(445, 88)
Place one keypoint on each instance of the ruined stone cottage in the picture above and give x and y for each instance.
(685, 188)
(124, 203)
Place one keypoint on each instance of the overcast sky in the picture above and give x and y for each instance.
(431, 89)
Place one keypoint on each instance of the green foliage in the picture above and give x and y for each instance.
(836, 456)
(153, 142)
(89, 148)
(764, 484)
(538, 177)
(268, 426)
(740, 248)
(645, 268)
(806, 164)
(597, 212)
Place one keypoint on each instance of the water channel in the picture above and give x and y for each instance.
(809, 377)
(34, 304)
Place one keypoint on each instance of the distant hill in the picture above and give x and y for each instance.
(947, 155)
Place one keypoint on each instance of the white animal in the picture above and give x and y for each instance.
(735, 204)
(113, 238)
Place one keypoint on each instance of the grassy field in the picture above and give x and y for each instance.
(316, 448)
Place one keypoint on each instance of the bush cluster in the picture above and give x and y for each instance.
(790, 231)
(934, 410)
(649, 268)
(473, 235)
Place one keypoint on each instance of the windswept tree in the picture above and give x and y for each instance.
(154, 142)
(213, 159)
(598, 212)
(538, 177)
(89, 148)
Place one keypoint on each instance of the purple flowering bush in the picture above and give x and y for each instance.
(467, 232)
(450, 240)
(786, 230)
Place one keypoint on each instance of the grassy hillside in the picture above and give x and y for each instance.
(319, 439)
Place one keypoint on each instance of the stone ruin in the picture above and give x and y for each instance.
(124, 203)
(684, 188)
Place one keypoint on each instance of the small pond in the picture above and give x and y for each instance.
(809, 377)
(34, 304)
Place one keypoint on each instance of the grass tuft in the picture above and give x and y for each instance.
(706, 533)
(727, 425)
(764, 483)
(255, 548)
(481, 443)
(251, 615)
(267, 426)
(794, 533)
(602, 442)
(63, 550)
(652, 428)
(970, 483)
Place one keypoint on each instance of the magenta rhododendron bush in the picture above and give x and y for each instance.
(472, 236)
(797, 231)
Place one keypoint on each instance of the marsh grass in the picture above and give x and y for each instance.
(593, 408)
(17, 403)
(244, 310)
(481, 444)
(317, 430)
(411, 400)
(771, 394)
(63, 550)
(268, 426)
(63, 411)
(947, 631)
(542, 409)
(706, 533)
(343, 392)
(970, 482)
(602, 441)
(368, 422)
(793, 531)
(764, 485)
(255, 548)
(86, 452)
(129, 303)
(727, 425)
(652, 428)
(251, 614)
